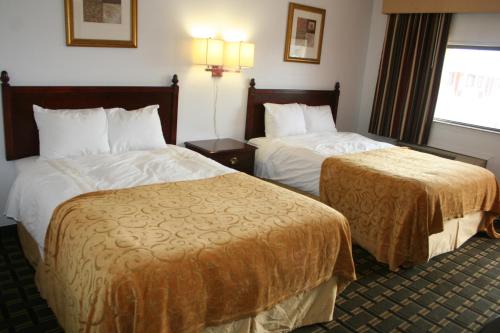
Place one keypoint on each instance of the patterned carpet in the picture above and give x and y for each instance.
(455, 292)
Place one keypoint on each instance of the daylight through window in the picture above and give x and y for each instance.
(469, 93)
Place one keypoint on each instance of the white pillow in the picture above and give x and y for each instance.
(135, 130)
(284, 120)
(318, 118)
(71, 132)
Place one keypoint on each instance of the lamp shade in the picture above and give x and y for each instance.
(232, 54)
(238, 54)
(207, 51)
(247, 54)
(200, 51)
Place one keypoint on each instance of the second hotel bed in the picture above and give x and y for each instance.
(403, 206)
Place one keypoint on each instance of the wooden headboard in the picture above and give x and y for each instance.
(21, 133)
(257, 97)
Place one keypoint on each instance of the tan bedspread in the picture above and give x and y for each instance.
(177, 257)
(395, 198)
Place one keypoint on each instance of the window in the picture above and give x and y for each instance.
(469, 93)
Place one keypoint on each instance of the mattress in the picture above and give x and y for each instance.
(296, 161)
(42, 185)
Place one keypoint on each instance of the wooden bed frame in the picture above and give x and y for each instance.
(21, 133)
(257, 97)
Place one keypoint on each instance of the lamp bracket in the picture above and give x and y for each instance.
(217, 71)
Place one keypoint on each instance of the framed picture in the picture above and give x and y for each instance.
(304, 33)
(101, 23)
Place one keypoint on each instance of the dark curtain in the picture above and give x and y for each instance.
(409, 76)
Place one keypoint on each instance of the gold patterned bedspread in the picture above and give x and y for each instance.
(395, 198)
(177, 257)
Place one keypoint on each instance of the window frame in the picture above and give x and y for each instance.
(458, 123)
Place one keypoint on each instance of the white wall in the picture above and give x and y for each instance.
(33, 50)
(378, 25)
(474, 29)
(471, 29)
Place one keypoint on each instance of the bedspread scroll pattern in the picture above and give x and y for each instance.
(395, 198)
(177, 257)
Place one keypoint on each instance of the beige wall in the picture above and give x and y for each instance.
(33, 50)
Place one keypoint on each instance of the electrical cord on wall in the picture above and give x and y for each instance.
(216, 93)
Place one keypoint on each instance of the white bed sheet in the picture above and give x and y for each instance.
(41, 185)
(296, 160)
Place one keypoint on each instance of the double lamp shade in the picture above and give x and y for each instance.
(216, 52)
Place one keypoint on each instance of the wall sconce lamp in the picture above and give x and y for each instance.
(220, 56)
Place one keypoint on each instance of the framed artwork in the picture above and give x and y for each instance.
(304, 33)
(101, 23)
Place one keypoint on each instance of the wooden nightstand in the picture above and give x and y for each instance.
(229, 152)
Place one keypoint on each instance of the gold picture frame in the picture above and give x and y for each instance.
(111, 25)
(304, 33)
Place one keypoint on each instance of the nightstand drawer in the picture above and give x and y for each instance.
(241, 161)
(229, 152)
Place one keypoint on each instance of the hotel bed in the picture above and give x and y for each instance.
(403, 206)
(165, 240)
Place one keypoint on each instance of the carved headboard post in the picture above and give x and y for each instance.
(335, 100)
(250, 108)
(175, 101)
(5, 78)
(7, 119)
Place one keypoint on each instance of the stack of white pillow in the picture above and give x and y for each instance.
(295, 119)
(71, 133)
